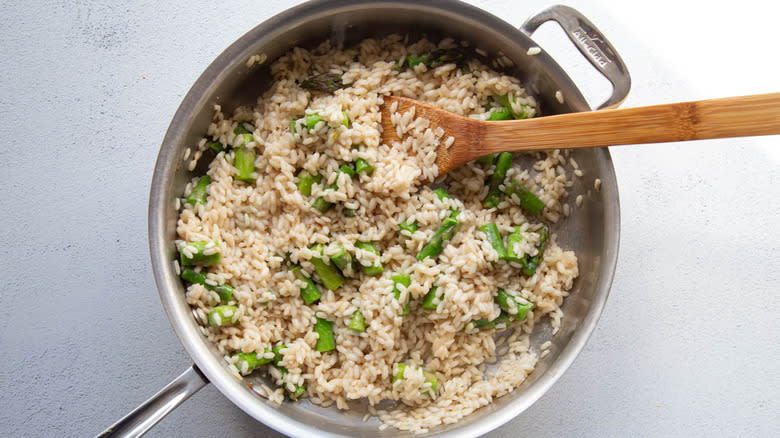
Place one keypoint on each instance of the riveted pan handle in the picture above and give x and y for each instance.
(591, 43)
(142, 419)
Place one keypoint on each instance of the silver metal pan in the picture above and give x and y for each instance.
(592, 231)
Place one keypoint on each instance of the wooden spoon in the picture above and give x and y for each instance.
(716, 118)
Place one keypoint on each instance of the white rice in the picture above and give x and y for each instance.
(257, 227)
(258, 59)
(559, 96)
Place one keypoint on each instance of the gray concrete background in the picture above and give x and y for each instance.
(688, 343)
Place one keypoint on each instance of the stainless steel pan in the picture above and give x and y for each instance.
(592, 230)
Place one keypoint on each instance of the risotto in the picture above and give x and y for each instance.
(350, 272)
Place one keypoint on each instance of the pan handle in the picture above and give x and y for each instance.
(142, 419)
(593, 45)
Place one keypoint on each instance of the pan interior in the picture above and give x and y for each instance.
(591, 230)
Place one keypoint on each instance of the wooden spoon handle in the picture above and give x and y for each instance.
(715, 118)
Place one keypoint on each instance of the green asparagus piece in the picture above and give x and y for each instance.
(198, 256)
(295, 395)
(246, 362)
(435, 245)
(344, 168)
(501, 320)
(277, 351)
(483, 324)
(524, 197)
(277, 359)
(504, 112)
(224, 291)
(312, 120)
(244, 163)
(514, 238)
(411, 228)
(241, 129)
(444, 56)
(306, 180)
(495, 239)
(362, 165)
(327, 340)
(349, 212)
(431, 379)
(441, 194)
(324, 82)
(522, 310)
(412, 60)
(399, 372)
(341, 259)
(429, 376)
(357, 322)
(533, 262)
(190, 275)
(504, 101)
(321, 205)
(345, 122)
(487, 324)
(487, 159)
(330, 277)
(252, 361)
(430, 298)
(293, 122)
(524, 114)
(434, 59)
(217, 146)
(529, 268)
(503, 164)
(222, 315)
(348, 169)
(373, 270)
(405, 280)
(309, 293)
(246, 139)
(505, 301)
(501, 114)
